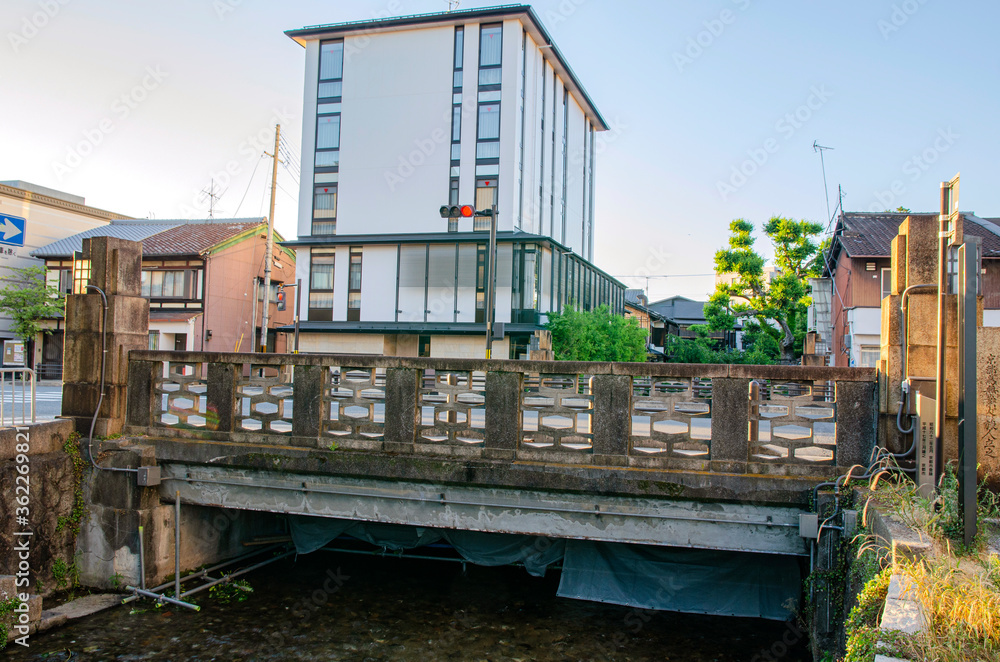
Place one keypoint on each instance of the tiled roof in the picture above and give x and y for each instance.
(158, 237)
(870, 235)
(193, 238)
(131, 230)
(988, 229)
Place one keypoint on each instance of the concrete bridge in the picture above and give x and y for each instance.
(697, 456)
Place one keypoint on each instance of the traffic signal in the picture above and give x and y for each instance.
(458, 211)
(281, 297)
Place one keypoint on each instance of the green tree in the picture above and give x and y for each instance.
(774, 308)
(597, 335)
(27, 299)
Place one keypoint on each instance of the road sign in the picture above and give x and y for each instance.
(11, 230)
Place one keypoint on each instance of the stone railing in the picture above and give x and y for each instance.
(786, 420)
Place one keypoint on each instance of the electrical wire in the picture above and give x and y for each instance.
(237, 214)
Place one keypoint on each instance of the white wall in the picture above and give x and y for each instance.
(308, 138)
(378, 284)
(342, 343)
(395, 131)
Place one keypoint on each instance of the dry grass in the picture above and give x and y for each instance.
(962, 606)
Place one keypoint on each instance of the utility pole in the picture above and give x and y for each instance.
(270, 241)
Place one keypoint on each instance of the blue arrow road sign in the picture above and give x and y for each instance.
(11, 230)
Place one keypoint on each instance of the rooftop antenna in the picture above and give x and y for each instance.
(212, 197)
(819, 148)
(453, 4)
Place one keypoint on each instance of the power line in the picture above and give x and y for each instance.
(237, 214)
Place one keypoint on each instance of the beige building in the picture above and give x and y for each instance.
(34, 216)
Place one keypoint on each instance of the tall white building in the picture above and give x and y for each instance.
(404, 115)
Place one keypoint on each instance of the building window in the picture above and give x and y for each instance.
(331, 71)
(520, 165)
(490, 56)
(154, 340)
(488, 134)
(424, 349)
(60, 279)
(325, 209)
(886, 282)
(486, 197)
(354, 286)
(174, 284)
(565, 162)
(321, 264)
(870, 355)
(456, 125)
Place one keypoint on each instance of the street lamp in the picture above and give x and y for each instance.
(468, 211)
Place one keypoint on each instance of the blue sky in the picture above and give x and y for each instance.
(715, 106)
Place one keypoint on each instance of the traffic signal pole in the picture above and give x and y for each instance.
(491, 290)
(490, 314)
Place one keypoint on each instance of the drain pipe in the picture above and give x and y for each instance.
(905, 385)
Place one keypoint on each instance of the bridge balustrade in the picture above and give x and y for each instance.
(786, 420)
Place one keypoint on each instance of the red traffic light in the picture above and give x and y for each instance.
(458, 211)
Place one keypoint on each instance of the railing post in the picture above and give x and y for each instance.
(730, 424)
(612, 418)
(221, 396)
(141, 392)
(503, 415)
(307, 399)
(857, 418)
(401, 394)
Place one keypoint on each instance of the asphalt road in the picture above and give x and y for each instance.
(48, 402)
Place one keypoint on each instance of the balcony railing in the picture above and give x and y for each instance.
(785, 420)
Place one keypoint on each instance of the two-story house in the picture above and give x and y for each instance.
(203, 279)
(405, 115)
(858, 276)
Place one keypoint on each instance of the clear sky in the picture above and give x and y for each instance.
(136, 105)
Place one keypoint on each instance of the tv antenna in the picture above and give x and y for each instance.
(819, 148)
(212, 197)
(453, 4)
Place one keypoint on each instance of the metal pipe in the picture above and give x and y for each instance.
(483, 504)
(904, 340)
(177, 544)
(163, 598)
(236, 574)
(201, 573)
(142, 562)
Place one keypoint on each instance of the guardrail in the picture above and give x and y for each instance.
(787, 420)
(8, 403)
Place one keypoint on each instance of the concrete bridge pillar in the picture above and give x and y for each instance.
(115, 267)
